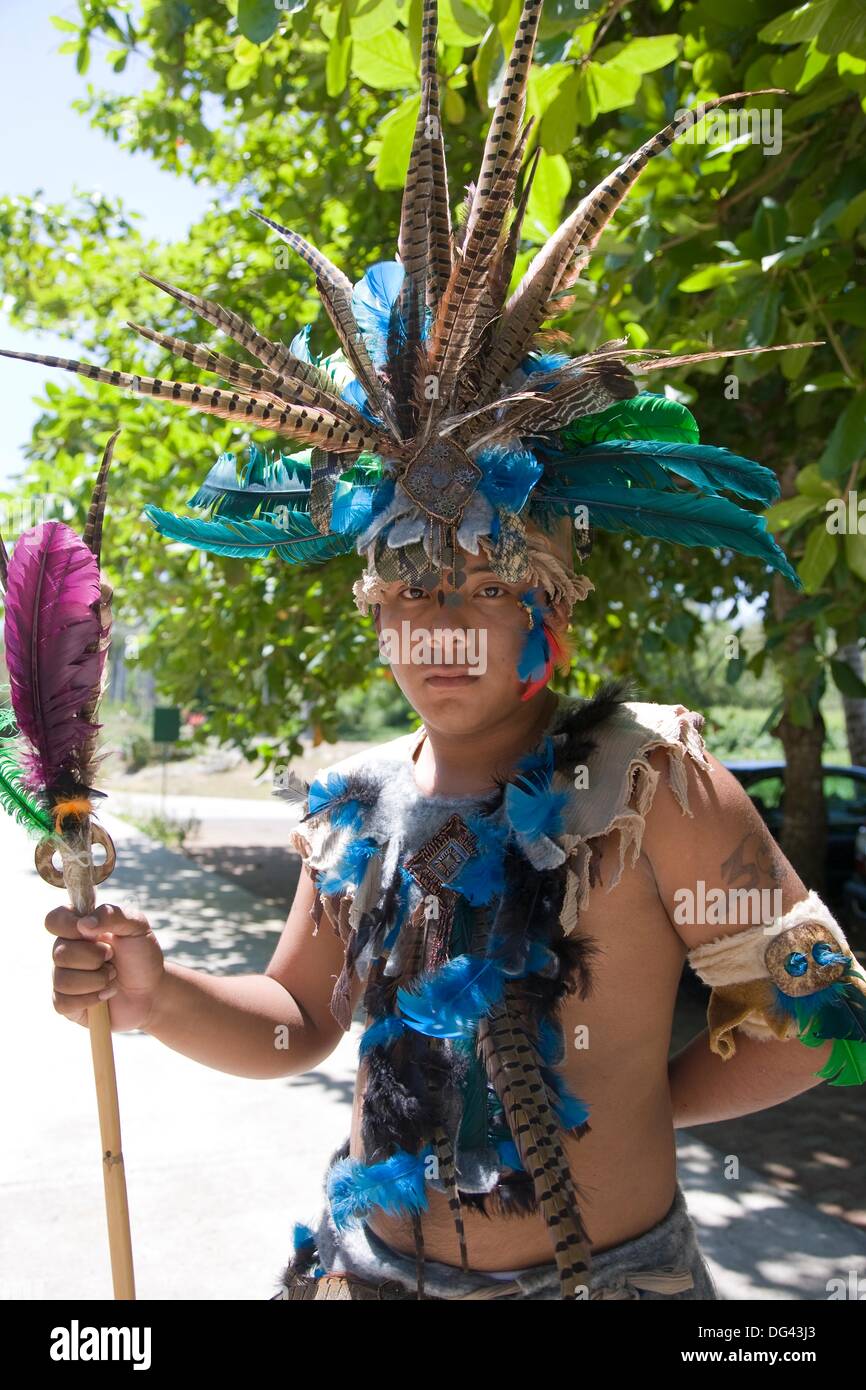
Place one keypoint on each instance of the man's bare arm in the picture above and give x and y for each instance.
(723, 845)
(271, 1025)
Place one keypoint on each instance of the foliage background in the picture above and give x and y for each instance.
(305, 110)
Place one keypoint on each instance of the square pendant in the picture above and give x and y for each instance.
(443, 855)
(441, 480)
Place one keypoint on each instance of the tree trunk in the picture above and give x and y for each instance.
(804, 813)
(804, 823)
(855, 710)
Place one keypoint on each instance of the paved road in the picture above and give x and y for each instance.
(206, 808)
(220, 1167)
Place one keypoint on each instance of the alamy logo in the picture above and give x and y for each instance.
(714, 907)
(77, 1343)
(436, 647)
(724, 127)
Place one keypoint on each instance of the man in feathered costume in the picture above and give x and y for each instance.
(512, 1132)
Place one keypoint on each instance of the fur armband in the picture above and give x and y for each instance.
(796, 977)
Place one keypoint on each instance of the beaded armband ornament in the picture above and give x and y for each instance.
(796, 977)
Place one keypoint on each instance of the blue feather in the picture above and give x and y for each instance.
(545, 362)
(482, 876)
(372, 300)
(839, 1011)
(551, 1043)
(351, 868)
(535, 649)
(705, 465)
(264, 483)
(303, 1237)
(448, 1002)
(532, 806)
(354, 393)
(352, 508)
(300, 344)
(508, 1153)
(539, 960)
(569, 1111)
(330, 798)
(396, 1186)
(401, 910)
(379, 1034)
(509, 476)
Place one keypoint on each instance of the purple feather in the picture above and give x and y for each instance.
(52, 638)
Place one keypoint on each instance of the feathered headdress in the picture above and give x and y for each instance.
(440, 423)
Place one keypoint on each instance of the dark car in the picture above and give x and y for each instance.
(854, 893)
(845, 796)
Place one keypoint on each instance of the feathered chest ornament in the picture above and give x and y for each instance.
(467, 946)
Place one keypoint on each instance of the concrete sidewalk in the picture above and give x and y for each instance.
(220, 1167)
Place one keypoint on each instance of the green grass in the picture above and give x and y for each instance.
(167, 829)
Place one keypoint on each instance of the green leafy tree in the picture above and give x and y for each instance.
(305, 109)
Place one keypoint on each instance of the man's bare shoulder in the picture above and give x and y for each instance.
(715, 842)
(372, 755)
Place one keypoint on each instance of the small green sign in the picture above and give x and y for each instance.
(166, 724)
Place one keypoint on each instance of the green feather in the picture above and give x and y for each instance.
(298, 542)
(644, 416)
(681, 517)
(17, 800)
(846, 1065)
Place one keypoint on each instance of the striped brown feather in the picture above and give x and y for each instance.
(335, 290)
(272, 355)
(278, 385)
(447, 1172)
(512, 1067)
(425, 224)
(504, 130)
(454, 335)
(297, 422)
(555, 262)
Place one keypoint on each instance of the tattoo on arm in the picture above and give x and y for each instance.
(753, 858)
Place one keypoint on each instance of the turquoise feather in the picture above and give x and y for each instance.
(680, 517)
(472, 1132)
(707, 466)
(298, 542)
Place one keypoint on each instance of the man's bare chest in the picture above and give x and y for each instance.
(635, 963)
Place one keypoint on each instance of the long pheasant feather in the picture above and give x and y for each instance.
(505, 126)
(424, 239)
(272, 355)
(335, 290)
(578, 235)
(512, 1067)
(281, 387)
(312, 426)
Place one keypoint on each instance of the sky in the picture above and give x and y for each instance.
(48, 146)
